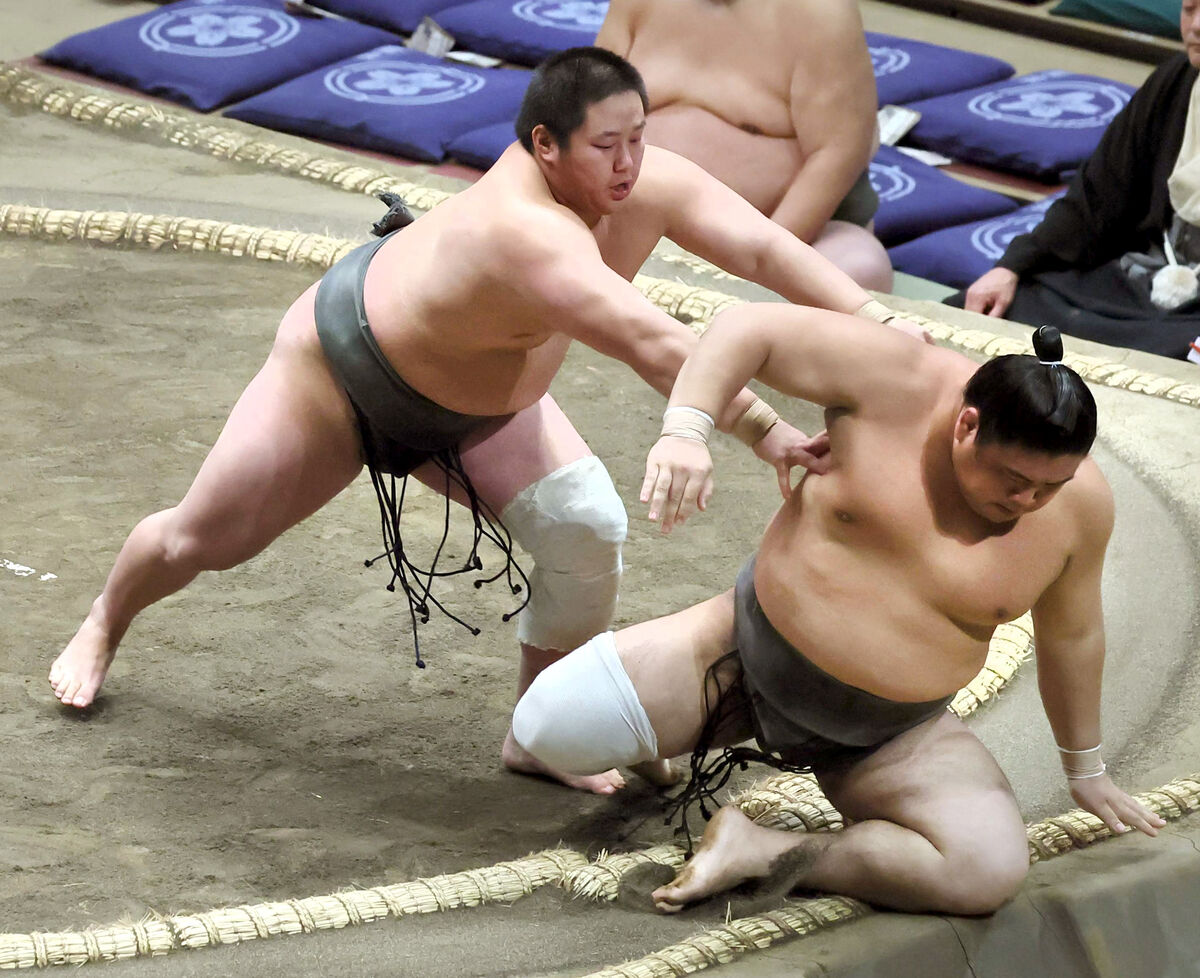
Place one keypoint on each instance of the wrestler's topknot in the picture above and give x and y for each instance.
(1036, 402)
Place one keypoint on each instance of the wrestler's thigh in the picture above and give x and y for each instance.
(937, 779)
(533, 443)
(857, 252)
(666, 660)
(289, 446)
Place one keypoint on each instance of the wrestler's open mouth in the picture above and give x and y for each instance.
(621, 190)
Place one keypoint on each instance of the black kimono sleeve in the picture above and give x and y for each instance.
(1118, 201)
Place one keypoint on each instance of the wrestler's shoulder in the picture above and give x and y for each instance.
(1086, 504)
(666, 174)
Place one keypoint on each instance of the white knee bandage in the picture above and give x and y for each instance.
(582, 714)
(572, 523)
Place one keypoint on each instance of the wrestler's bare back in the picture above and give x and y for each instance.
(450, 302)
(859, 574)
(725, 91)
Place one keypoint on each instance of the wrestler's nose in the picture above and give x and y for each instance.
(624, 160)
(1026, 499)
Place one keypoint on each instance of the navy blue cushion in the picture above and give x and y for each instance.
(482, 147)
(1041, 125)
(392, 15)
(915, 198)
(390, 99)
(207, 53)
(908, 70)
(523, 31)
(958, 256)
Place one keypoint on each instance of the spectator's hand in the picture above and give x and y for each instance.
(785, 447)
(1119, 811)
(992, 293)
(678, 479)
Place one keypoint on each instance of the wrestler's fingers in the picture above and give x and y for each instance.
(690, 502)
(648, 482)
(670, 514)
(706, 494)
(814, 463)
(662, 489)
(784, 471)
(1142, 819)
(1108, 815)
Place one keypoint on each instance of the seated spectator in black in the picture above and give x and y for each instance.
(1097, 265)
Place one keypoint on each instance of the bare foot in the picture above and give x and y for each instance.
(517, 758)
(659, 773)
(80, 668)
(733, 850)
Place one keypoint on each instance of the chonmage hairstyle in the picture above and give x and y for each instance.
(565, 84)
(1038, 402)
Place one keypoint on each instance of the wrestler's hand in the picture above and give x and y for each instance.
(992, 293)
(1119, 811)
(785, 447)
(678, 479)
(895, 318)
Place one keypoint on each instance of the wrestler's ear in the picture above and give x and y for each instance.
(545, 146)
(966, 425)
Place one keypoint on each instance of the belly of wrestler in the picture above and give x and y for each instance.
(758, 167)
(859, 616)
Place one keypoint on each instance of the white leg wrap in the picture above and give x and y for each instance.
(583, 716)
(572, 522)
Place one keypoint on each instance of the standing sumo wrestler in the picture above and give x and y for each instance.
(431, 351)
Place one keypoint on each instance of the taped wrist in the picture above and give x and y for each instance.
(755, 422)
(876, 311)
(1080, 764)
(687, 422)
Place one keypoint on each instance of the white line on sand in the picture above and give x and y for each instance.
(22, 571)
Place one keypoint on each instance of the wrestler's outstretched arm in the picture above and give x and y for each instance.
(833, 360)
(1069, 632)
(588, 301)
(704, 216)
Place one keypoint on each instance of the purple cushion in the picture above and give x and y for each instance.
(391, 15)
(523, 31)
(907, 70)
(391, 99)
(207, 53)
(957, 256)
(1041, 125)
(915, 198)
(482, 147)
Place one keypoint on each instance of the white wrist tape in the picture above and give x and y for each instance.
(876, 311)
(687, 422)
(1079, 764)
(755, 422)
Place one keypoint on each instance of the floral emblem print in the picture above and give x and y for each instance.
(889, 181)
(1048, 102)
(992, 238)
(571, 15)
(217, 30)
(888, 61)
(398, 83)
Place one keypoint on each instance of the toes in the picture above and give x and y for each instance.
(74, 694)
(664, 902)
